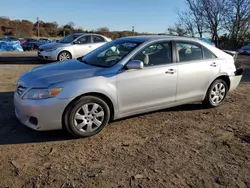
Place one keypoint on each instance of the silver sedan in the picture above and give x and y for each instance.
(127, 76)
(72, 46)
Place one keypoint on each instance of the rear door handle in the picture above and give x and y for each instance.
(170, 71)
(213, 64)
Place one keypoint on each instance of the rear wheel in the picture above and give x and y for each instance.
(87, 116)
(64, 55)
(216, 93)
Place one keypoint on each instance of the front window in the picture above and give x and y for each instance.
(68, 39)
(110, 53)
(155, 54)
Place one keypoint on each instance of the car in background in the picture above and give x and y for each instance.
(44, 40)
(72, 46)
(245, 50)
(124, 77)
(22, 41)
(30, 46)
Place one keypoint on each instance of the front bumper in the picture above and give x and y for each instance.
(48, 55)
(40, 115)
(235, 79)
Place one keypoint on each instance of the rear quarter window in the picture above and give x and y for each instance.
(208, 54)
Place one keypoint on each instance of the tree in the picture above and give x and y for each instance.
(237, 21)
(177, 30)
(187, 22)
(193, 18)
(214, 14)
(103, 29)
(51, 28)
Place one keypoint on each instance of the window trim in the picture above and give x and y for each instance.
(173, 59)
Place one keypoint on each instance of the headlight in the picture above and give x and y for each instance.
(37, 94)
(50, 49)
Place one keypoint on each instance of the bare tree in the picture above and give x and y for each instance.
(196, 15)
(187, 22)
(214, 14)
(177, 30)
(237, 20)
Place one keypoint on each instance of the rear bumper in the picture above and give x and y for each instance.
(235, 79)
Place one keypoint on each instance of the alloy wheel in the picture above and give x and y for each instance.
(89, 117)
(218, 93)
(64, 56)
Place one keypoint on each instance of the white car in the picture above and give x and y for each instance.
(72, 46)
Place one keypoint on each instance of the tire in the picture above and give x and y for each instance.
(64, 55)
(216, 93)
(84, 117)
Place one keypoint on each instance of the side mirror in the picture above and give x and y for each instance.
(135, 64)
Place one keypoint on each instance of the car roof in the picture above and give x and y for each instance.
(144, 38)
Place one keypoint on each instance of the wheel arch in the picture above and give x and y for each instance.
(96, 94)
(62, 52)
(223, 77)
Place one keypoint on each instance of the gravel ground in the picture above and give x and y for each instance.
(186, 146)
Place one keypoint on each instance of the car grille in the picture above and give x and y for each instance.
(20, 90)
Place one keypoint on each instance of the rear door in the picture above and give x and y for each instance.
(197, 68)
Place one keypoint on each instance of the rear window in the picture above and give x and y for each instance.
(208, 54)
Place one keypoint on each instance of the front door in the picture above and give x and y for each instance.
(152, 86)
(82, 46)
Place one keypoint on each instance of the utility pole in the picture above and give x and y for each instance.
(133, 29)
(37, 18)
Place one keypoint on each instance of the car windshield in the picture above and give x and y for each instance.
(68, 39)
(110, 53)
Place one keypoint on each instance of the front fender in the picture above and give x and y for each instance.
(100, 84)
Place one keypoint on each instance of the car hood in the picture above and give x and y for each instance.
(54, 45)
(46, 75)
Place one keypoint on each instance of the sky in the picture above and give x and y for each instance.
(153, 16)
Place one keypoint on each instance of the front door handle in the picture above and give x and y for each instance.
(170, 71)
(213, 64)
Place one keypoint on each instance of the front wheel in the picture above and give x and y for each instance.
(216, 93)
(64, 55)
(87, 116)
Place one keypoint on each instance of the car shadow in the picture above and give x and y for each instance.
(19, 60)
(13, 132)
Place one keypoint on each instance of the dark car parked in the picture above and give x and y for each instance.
(29, 46)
